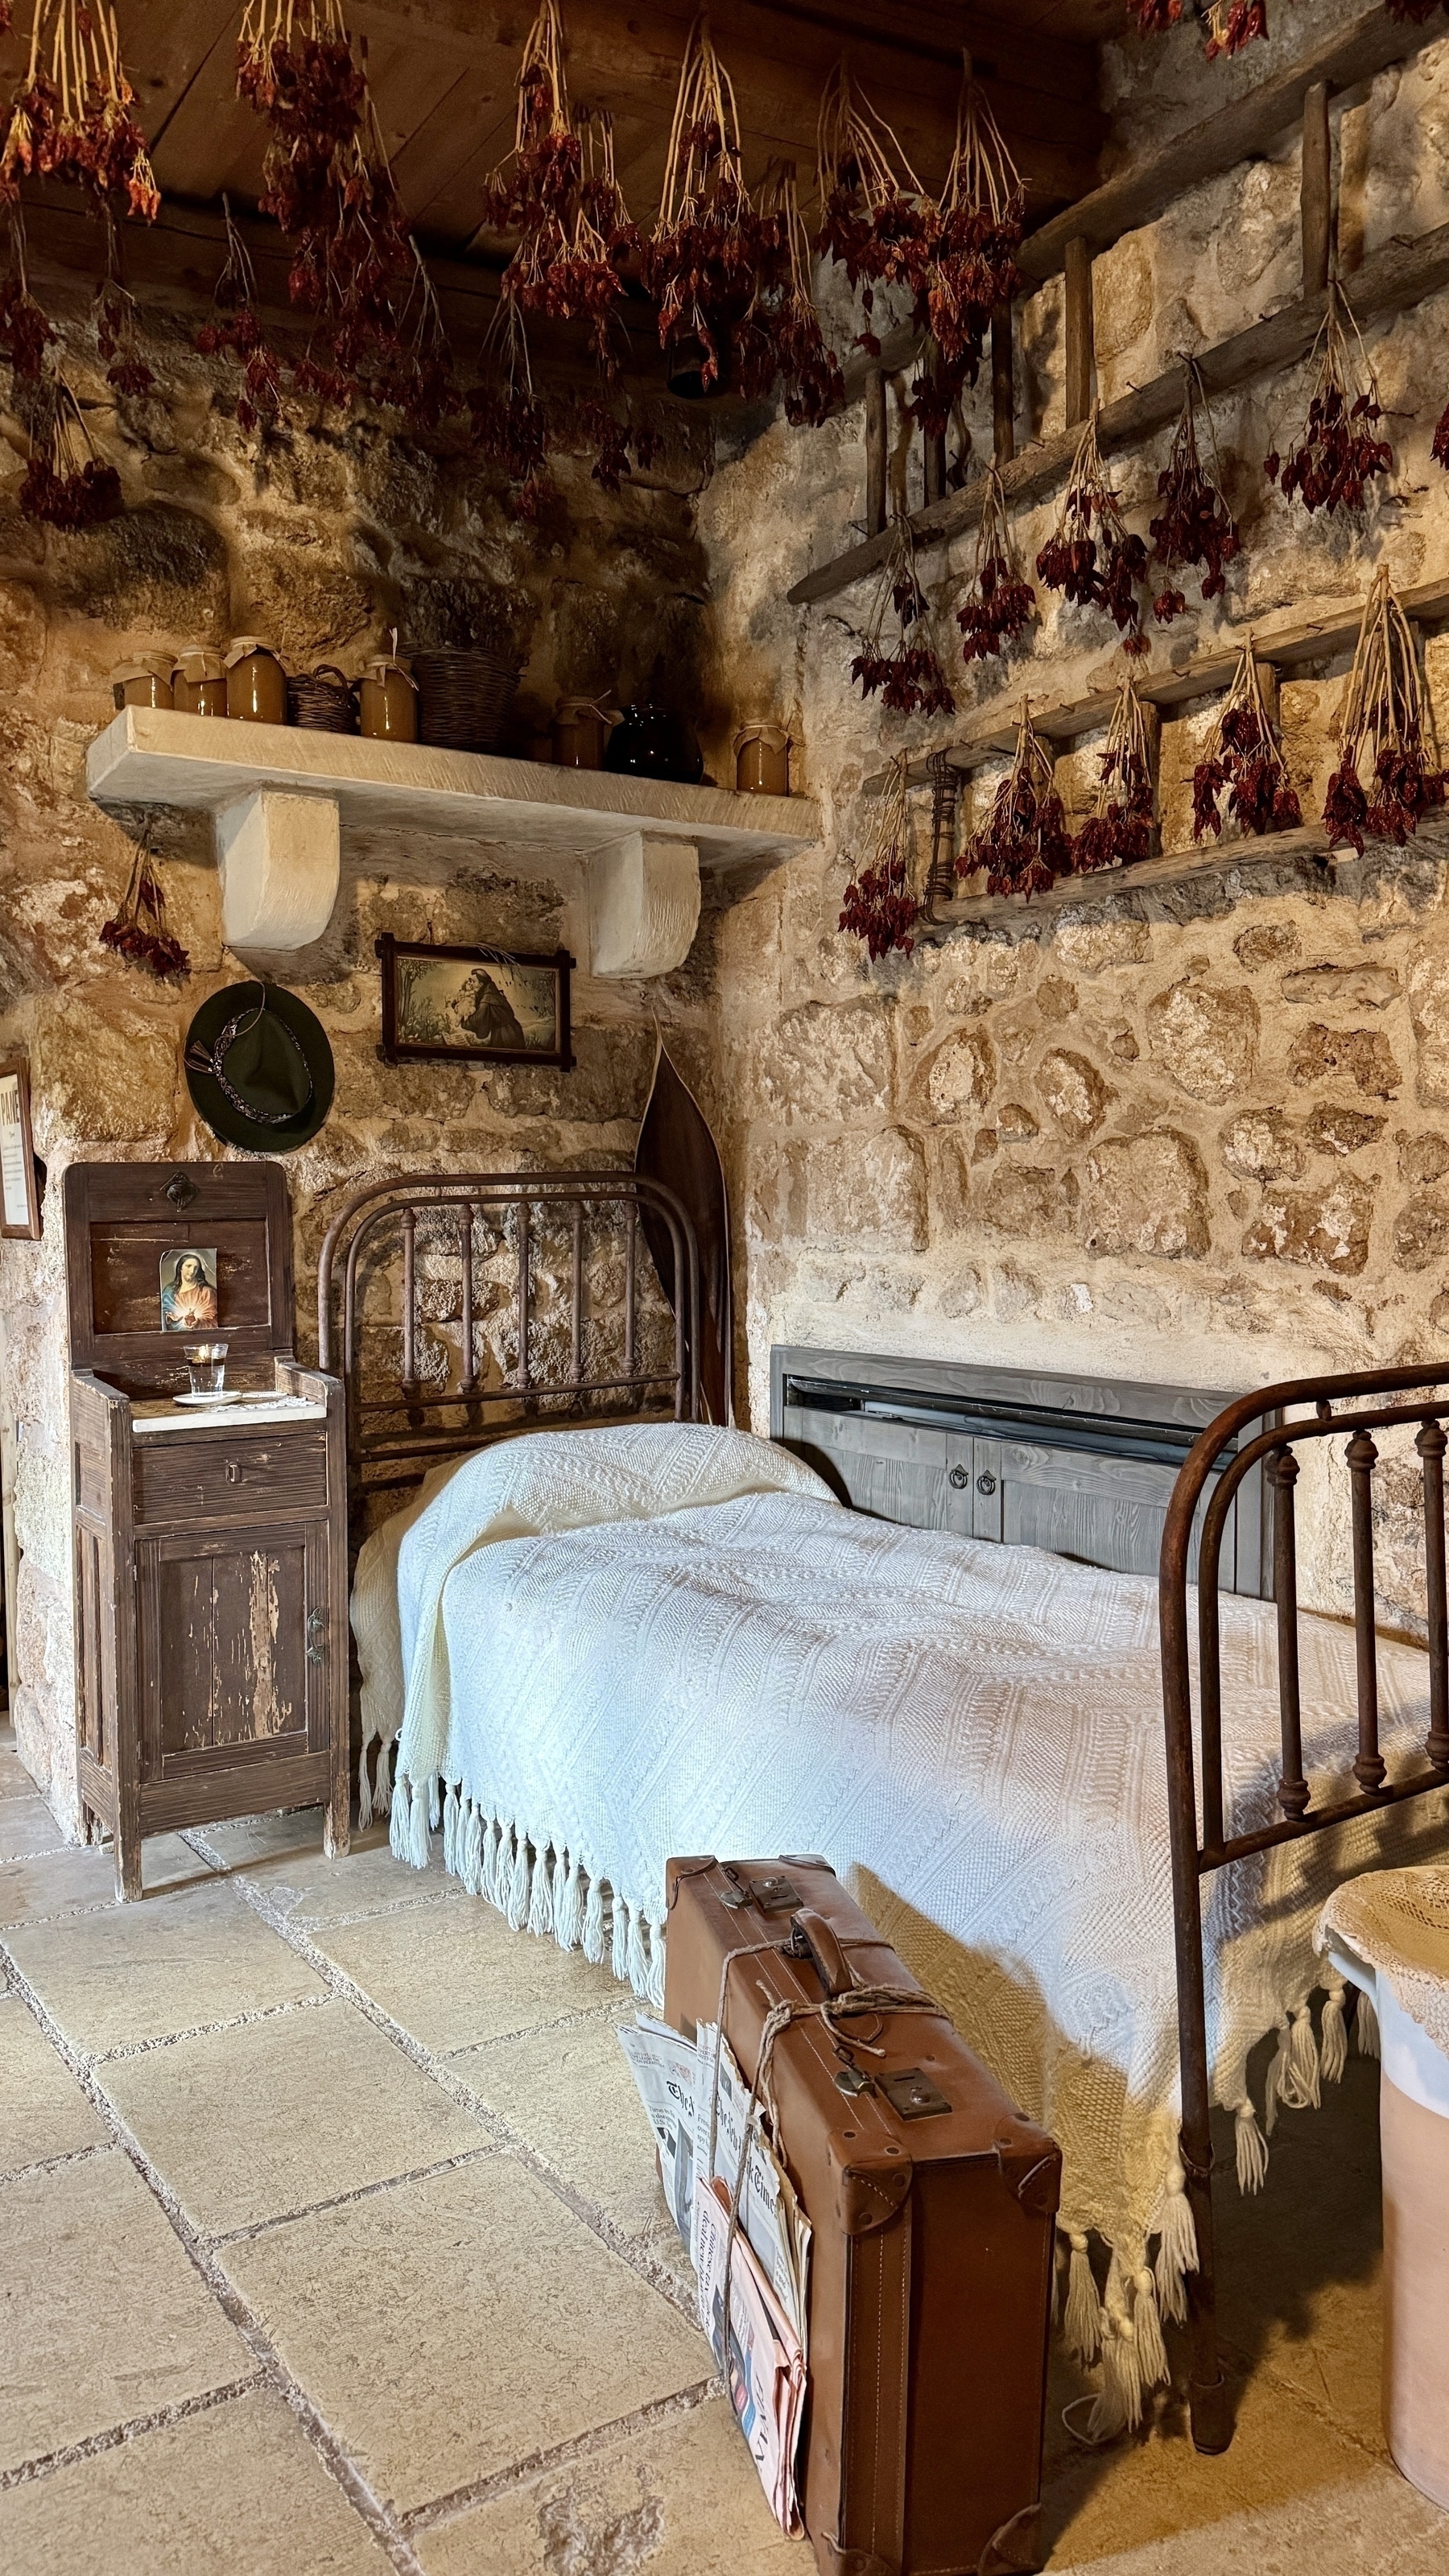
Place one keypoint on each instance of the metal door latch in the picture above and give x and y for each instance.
(316, 1630)
(986, 1482)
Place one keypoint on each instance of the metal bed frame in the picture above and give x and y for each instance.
(1203, 1844)
(426, 1425)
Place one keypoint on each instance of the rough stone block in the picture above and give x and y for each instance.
(1325, 1229)
(644, 898)
(961, 1075)
(1263, 1145)
(1076, 1097)
(1421, 1231)
(1205, 1036)
(1027, 1199)
(869, 1191)
(825, 1064)
(1429, 1011)
(280, 859)
(1361, 1056)
(1147, 1194)
(1349, 988)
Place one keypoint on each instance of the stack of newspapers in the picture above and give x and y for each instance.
(690, 2088)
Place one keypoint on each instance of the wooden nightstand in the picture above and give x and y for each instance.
(210, 1544)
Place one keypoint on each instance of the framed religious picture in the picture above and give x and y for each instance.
(473, 1005)
(188, 1289)
(19, 1195)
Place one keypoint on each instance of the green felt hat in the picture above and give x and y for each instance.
(259, 1068)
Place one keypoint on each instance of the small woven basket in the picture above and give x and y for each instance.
(322, 700)
(463, 697)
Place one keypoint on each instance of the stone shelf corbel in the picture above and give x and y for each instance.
(282, 799)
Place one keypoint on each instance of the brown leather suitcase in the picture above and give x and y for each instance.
(932, 2202)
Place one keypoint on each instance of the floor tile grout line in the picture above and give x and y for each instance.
(238, 2311)
(540, 2464)
(158, 2419)
(53, 2164)
(256, 2227)
(127, 2055)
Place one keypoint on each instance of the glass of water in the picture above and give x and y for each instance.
(206, 1363)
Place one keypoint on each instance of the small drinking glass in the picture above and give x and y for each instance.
(206, 1363)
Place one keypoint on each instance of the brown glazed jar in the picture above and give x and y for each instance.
(140, 684)
(581, 729)
(198, 684)
(387, 701)
(762, 760)
(256, 684)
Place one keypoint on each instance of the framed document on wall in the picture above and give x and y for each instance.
(19, 1198)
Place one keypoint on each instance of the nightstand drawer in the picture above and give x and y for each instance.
(185, 1478)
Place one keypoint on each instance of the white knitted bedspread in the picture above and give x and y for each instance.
(971, 1734)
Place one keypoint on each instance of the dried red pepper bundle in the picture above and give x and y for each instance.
(1232, 24)
(1338, 455)
(878, 222)
(619, 444)
(25, 328)
(1120, 831)
(1000, 604)
(780, 338)
(1384, 782)
(1244, 759)
(66, 484)
(113, 311)
(511, 423)
(1194, 525)
(1440, 449)
(1024, 844)
(712, 250)
(1091, 557)
(1154, 17)
(559, 192)
(909, 677)
(73, 115)
(880, 906)
(138, 931)
(235, 329)
(981, 209)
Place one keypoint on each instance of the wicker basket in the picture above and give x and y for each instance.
(463, 697)
(322, 700)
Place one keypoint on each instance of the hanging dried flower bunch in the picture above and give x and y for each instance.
(414, 372)
(781, 335)
(878, 221)
(711, 250)
(909, 677)
(982, 206)
(510, 421)
(1338, 455)
(138, 931)
(25, 328)
(879, 906)
(1154, 17)
(1244, 759)
(1384, 781)
(73, 116)
(1120, 831)
(1232, 24)
(558, 191)
(999, 605)
(235, 327)
(113, 311)
(65, 485)
(1194, 525)
(1090, 556)
(618, 443)
(1024, 844)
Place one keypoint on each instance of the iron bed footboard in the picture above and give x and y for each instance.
(1201, 1840)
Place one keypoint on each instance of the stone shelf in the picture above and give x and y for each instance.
(280, 796)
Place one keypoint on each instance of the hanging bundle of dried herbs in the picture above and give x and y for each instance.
(1024, 844)
(1338, 454)
(1120, 831)
(1154, 17)
(1194, 525)
(877, 220)
(558, 191)
(973, 266)
(879, 906)
(1232, 24)
(510, 421)
(65, 485)
(1244, 761)
(999, 605)
(781, 337)
(712, 250)
(139, 932)
(1385, 779)
(414, 373)
(908, 678)
(619, 443)
(1090, 556)
(73, 116)
(25, 328)
(235, 329)
(114, 313)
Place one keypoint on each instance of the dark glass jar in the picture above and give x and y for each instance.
(649, 742)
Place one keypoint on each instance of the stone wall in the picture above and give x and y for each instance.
(322, 537)
(1199, 1135)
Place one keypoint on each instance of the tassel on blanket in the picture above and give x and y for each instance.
(656, 1966)
(1275, 2080)
(1119, 2408)
(364, 1789)
(1366, 2027)
(488, 1857)
(1252, 2148)
(434, 1805)
(1176, 2247)
(382, 1777)
(1333, 2041)
(1081, 2321)
(619, 1960)
(518, 1884)
(540, 1903)
(450, 1831)
(471, 1853)
(638, 1955)
(1151, 2350)
(568, 1902)
(594, 1923)
(1302, 2090)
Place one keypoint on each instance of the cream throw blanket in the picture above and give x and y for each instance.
(622, 1644)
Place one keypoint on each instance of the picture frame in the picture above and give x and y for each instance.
(473, 1005)
(19, 1192)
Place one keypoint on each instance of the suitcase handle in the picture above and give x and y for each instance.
(811, 1931)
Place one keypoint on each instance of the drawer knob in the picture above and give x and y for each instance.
(986, 1482)
(959, 1479)
(233, 1471)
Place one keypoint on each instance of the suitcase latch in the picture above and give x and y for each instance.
(778, 1895)
(853, 2079)
(913, 2095)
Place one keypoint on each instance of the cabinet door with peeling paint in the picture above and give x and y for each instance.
(226, 1622)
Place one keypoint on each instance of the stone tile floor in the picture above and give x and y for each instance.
(330, 2242)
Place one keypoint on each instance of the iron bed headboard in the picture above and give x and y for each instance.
(1203, 1844)
(424, 1424)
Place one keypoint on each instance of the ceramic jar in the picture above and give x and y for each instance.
(256, 684)
(762, 760)
(581, 730)
(140, 684)
(198, 684)
(387, 701)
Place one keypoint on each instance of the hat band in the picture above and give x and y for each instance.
(198, 1060)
